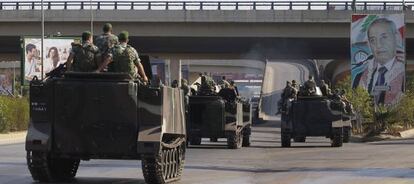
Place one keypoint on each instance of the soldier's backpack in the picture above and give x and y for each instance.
(85, 58)
(123, 60)
(105, 42)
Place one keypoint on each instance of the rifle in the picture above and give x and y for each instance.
(57, 72)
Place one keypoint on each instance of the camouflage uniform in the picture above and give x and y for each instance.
(207, 86)
(310, 87)
(85, 57)
(326, 91)
(106, 41)
(124, 60)
(224, 83)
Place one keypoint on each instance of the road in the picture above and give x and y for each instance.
(276, 75)
(265, 162)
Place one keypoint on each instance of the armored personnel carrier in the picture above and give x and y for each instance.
(217, 117)
(83, 116)
(314, 115)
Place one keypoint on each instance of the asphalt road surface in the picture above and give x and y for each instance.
(387, 162)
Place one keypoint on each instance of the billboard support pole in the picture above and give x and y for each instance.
(14, 77)
(42, 39)
(91, 17)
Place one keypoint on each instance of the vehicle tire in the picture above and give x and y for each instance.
(213, 139)
(165, 166)
(195, 140)
(347, 134)
(246, 136)
(337, 138)
(246, 141)
(299, 139)
(235, 141)
(43, 168)
(285, 138)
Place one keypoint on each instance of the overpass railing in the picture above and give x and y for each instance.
(208, 5)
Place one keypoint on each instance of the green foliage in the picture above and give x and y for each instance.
(360, 99)
(386, 118)
(14, 114)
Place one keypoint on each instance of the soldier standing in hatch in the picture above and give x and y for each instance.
(207, 86)
(234, 87)
(107, 40)
(83, 57)
(186, 90)
(224, 83)
(325, 89)
(310, 86)
(295, 90)
(123, 58)
(284, 96)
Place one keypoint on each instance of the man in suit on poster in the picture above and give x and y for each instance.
(384, 76)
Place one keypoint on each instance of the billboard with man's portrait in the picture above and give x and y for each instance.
(56, 51)
(378, 56)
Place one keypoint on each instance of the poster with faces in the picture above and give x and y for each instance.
(55, 52)
(378, 55)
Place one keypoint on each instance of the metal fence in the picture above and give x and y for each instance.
(208, 5)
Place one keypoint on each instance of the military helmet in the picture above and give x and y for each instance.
(123, 36)
(86, 35)
(107, 27)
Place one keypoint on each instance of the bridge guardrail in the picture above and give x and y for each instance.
(209, 5)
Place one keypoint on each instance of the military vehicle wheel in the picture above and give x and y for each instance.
(299, 139)
(46, 169)
(246, 136)
(337, 139)
(347, 134)
(165, 166)
(195, 140)
(213, 139)
(285, 137)
(246, 141)
(235, 141)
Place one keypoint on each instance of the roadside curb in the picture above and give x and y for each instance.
(362, 139)
(13, 138)
(407, 133)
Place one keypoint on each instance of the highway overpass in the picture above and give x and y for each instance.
(268, 30)
(204, 30)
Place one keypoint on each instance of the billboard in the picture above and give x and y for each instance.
(378, 55)
(56, 51)
(6, 84)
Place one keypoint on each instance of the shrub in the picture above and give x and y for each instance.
(362, 102)
(390, 119)
(14, 114)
